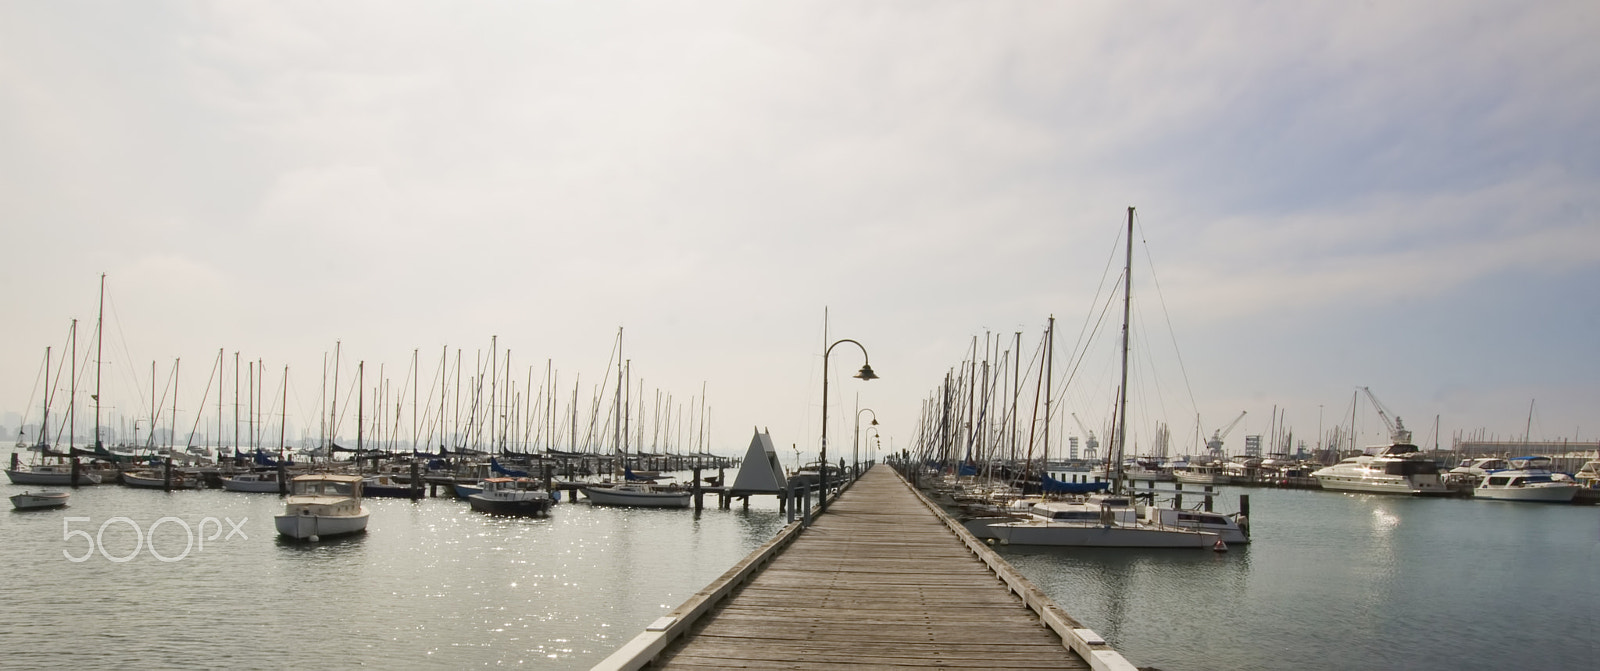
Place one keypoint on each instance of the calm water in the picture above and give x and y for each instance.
(1332, 582)
(431, 584)
(1337, 581)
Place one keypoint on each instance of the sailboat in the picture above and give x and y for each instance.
(631, 493)
(1104, 520)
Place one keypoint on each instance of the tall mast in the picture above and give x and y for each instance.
(72, 403)
(333, 405)
(99, 340)
(1122, 403)
(44, 424)
(617, 415)
(1049, 374)
(284, 418)
(173, 439)
(361, 403)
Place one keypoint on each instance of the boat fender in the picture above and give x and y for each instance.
(1219, 546)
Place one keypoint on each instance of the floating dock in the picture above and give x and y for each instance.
(883, 578)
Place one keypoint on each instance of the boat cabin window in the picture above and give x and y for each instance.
(1498, 480)
(1411, 468)
(323, 488)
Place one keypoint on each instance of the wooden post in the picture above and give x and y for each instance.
(1208, 498)
(166, 475)
(547, 470)
(1177, 500)
(16, 462)
(76, 469)
(786, 502)
(416, 480)
(283, 478)
(699, 494)
(1244, 514)
(805, 503)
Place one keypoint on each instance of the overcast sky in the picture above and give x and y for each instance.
(1398, 195)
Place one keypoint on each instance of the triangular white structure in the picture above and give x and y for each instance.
(760, 472)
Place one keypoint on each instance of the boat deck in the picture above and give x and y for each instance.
(880, 580)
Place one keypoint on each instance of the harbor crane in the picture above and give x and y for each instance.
(1091, 447)
(1215, 443)
(1398, 433)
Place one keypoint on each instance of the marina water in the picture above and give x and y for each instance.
(1332, 581)
(1349, 581)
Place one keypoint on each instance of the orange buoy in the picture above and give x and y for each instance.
(1219, 546)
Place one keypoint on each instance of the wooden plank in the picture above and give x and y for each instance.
(877, 582)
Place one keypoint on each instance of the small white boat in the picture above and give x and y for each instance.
(1528, 479)
(1202, 473)
(39, 500)
(511, 496)
(322, 505)
(260, 481)
(638, 495)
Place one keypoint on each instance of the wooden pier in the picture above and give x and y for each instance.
(882, 579)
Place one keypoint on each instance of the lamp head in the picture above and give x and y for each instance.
(874, 421)
(866, 373)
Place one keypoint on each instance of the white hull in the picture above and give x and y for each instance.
(144, 482)
(1202, 478)
(608, 496)
(1380, 485)
(259, 486)
(1544, 493)
(55, 479)
(32, 501)
(322, 526)
(1099, 536)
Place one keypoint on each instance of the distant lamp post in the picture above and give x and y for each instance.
(855, 454)
(865, 374)
(877, 437)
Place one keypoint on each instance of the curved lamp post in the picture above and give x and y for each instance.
(877, 437)
(865, 374)
(855, 454)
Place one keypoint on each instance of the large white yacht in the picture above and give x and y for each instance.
(1400, 468)
(1528, 479)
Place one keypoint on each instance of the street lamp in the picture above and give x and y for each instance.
(865, 374)
(855, 455)
(877, 438)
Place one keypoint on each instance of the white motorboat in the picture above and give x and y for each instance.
(259, 481)
(638, 495)
(39, 500)
(1394, 469)
(50, 474)
(1528, 479)
(1099, 521)
(1202, 473)
(323, 505)
(511, 496)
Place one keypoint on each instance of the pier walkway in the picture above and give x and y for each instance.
(882, 579)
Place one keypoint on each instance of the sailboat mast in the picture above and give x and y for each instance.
(44, 424)
(1122, 402)
(72, 403)
(99, 341)
(172, 440)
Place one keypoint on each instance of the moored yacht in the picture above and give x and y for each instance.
(511, 496)
(1400, 468)
(1527, 479)
(1099, 521)
(323, 505)
(50, 474)
(638, 495)
(1202, 473)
